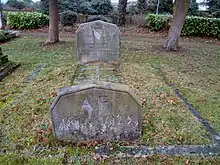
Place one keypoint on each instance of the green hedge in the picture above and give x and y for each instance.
(26, 20)
(157, 22)
(200, 26)
(193, 26)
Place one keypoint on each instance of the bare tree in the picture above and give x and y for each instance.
(53, 35)
(122, 5)
(179, 15)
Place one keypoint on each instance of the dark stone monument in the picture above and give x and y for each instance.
(6, 66)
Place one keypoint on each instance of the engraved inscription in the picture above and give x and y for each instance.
(106, 120)
(87, 108)
(96, 113)
(97, 34)
(69, 125)
(109, 123)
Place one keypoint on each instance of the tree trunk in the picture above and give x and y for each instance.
(53, 35)
(122, 5)
(179, 15)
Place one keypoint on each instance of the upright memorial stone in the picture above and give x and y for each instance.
(98, 41)
(96, 109)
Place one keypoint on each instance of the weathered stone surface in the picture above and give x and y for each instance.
(98, 111)
(6, 66)
(98, 41)
(97, 72)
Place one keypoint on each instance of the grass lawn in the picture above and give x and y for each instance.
(25, 130)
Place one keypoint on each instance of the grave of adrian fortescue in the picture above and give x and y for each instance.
(97, 106)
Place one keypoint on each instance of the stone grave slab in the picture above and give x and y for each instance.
(108, 72)
(98, 41)
(6, 66)
(96, 111)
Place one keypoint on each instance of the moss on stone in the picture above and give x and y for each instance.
(100, 72)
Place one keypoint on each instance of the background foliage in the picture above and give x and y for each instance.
(214, 7)
(157, 22)
(68, 18)
(80, 6)
(194, 26)
(26, 20)
(16, 4)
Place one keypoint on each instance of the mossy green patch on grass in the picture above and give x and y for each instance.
(206, 103)
(198, 78)
(195, 70)
(28, 103)
(166, 120)
(12, 159)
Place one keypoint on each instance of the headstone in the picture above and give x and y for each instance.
(82, 18)
(98, 41)
(98, 111)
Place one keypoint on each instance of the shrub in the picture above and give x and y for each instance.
(86, 8)
(102, 7)
(26, 20)
(16, 4)
(157, 22)
(68, 18)
(193, 26)
(98, 17)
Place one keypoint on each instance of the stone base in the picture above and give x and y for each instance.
(108, 72)
(9, 34)
(7, 68)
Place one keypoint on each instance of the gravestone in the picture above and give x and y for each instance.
(82, 18)
(97, 106)
(98, 111)
(98, 41)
